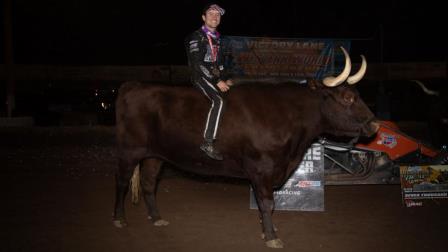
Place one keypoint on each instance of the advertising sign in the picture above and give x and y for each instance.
(304, 190)
(423, 182)
(283, 57)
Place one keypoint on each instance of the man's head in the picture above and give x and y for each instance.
(211, 15)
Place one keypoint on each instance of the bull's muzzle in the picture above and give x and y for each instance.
(372, 127)
(375, 125)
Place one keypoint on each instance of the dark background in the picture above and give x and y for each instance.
(151, 32)
(58, 180)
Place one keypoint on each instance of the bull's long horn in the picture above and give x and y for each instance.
(358, 76)
(331, 81)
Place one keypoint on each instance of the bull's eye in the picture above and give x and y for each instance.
(349, 98)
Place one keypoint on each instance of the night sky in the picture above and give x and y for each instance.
(81, 32)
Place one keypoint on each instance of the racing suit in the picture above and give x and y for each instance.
(205, 59)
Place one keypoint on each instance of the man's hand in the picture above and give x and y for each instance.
(229, 82)
(223, 86)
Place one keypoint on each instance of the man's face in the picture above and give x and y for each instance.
(212, 18)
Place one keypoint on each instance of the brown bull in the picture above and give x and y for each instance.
(264, 134)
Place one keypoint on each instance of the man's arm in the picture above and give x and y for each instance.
(196, 50)
(224, 73)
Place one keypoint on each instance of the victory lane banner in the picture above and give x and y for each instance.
(423, 182)
(304, 190)
(292, 58)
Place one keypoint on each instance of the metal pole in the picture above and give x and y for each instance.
(9, 62)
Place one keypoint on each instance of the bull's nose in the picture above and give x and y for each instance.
(371, 127)
(375, 126)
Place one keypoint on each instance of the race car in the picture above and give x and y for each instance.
(378, 161)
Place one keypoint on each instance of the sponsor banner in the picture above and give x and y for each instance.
(304, 190)
(423, 182)
(283, 57)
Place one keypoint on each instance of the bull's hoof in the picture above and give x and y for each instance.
(161, 223)
(120, 223)
(263, 235)
(276, 243)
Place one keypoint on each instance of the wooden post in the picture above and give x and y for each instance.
(9, 62)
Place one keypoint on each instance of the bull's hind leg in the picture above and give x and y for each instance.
(149, 172)
(123, 176)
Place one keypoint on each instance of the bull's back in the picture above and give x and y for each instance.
(180, 112)
(150, 112)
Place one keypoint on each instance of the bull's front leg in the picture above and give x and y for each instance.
(265, 200)
(260, 172)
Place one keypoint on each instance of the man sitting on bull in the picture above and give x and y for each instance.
(206, 62)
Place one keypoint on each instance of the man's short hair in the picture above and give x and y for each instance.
(213, 7)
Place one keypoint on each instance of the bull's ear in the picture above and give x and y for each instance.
(314, 84)
(326, 91)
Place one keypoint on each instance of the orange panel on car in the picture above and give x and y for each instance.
(392, 142)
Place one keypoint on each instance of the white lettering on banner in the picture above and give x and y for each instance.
(306, 167)
(312, 154)
(410, 203)
(287, 192)
(426, 195)
(412, 195)
(441, 194)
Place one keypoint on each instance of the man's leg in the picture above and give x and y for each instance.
(213, 118)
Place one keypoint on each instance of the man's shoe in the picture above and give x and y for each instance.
(211, 151)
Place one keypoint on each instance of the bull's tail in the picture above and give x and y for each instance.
(135, 185)
(121, 110)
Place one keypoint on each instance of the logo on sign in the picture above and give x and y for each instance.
(309, 183)
(388, 140)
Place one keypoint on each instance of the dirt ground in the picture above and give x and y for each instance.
(59, 189)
